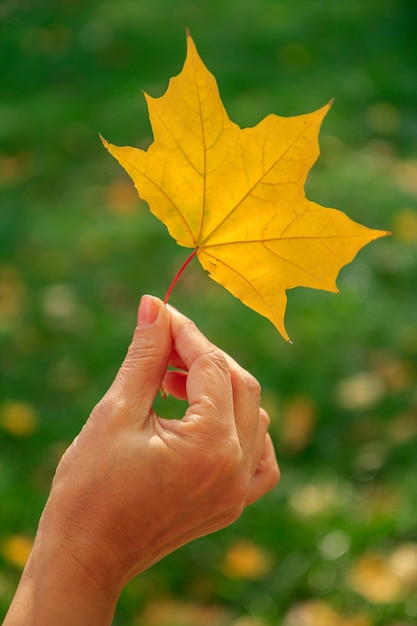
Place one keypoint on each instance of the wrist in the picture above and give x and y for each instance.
(56, 588)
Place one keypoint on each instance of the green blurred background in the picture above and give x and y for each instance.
(336, 543)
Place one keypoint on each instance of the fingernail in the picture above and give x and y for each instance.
(148, 310)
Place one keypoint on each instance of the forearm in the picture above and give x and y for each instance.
(53, 590)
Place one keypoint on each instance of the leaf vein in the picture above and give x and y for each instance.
(254, 185)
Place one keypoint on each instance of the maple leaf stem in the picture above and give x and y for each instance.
(178, 274)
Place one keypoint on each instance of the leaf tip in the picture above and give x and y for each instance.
(285, 336)
(103, 141)
(280, 326)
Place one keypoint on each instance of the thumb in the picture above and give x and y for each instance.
(140, 376)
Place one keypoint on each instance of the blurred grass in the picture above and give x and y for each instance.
(336, 542)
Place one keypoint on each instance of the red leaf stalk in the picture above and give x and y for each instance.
(178, 274)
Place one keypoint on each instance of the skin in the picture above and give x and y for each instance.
(133, 487)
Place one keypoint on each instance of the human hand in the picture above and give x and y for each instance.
(133, 486)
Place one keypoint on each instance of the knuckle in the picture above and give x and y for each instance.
(272, 477)
(252, 385)
(212, 364)
(188, 328)
(232, 514)
(214, 359)
(264, 417)
(275, 475)
(236, 498)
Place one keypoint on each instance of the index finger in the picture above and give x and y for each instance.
(244, 387)
(209, 381)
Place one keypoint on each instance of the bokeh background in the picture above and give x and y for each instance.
(336, 543)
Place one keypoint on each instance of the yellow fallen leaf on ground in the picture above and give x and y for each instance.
(18, 418)
(236, 196)
(16, 549)
(317, 612)
(174, 612)
(382, 578)
(244, 559)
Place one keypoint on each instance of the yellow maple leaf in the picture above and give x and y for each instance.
(236, 196)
